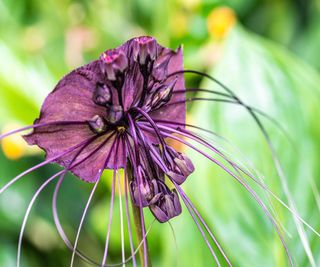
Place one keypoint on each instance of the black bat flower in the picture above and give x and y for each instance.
(119, 112)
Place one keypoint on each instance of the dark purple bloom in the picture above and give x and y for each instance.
(166, 204)
(118, 112)
(101, 105)
(111, 95)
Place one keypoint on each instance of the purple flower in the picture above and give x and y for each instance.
(118, 112)
(102, 96)
(109, 97)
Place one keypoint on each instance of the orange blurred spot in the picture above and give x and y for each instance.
(220, 21)
(175, 144)
(79, 39)
(13, 146)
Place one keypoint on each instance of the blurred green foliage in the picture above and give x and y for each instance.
(271, 59)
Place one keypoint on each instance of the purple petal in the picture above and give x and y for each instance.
(170, 112)
(178, 178)
(159, 214)
(72, 100)
(132, 87)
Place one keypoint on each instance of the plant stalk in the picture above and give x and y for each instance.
(136, 211)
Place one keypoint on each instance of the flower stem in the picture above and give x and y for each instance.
(139, 228)
(139, 233)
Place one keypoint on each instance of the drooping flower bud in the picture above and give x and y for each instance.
(180, 166)
(113, 62)
(144, 191)
(114, 113)
(184, 164)
(167, 207)
(141, 193)
(144, 49)
(102, 94)
(97, 124)
(162, 95)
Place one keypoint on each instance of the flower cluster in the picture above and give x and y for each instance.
(130, 84)
(117, 112)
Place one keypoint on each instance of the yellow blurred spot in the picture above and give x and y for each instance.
(179, 24)
(120, 177)
(13, 146)
(220, 21)
(190, 4)
(33, 39)
(39, 229)
(108, 178)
